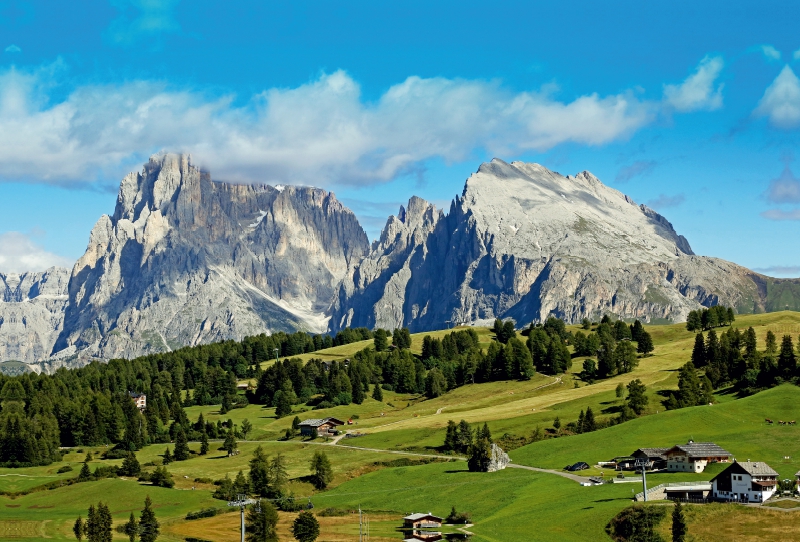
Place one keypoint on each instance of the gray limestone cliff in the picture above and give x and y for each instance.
(31, 313)
(186, 260)
(524, 242)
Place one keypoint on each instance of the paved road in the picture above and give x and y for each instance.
(564, 474)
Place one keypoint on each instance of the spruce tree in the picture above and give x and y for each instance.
(131, 528)
(645, 343)
(679, 528)
(321, 470)
(464, 437)
(148, 524)
(230, 443)
(305, 527)
(181, 445)
(699, 351)
(451, 436)
(380, 340)
(787, 361)
(167, 457)
(358, 392)
(261, 522)
(579, 425)
(79, 529)
(204, 442)
(105, 522)
(589, 424)
(259, 472)
(130, 465)
(377, 393)
(85, 473)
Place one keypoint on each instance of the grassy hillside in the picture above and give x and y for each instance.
(508, 505)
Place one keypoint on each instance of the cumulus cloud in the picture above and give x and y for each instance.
(640, 167)
(781, 100)
(664, 201)
(13, 49)
(780, 270)
(780, 214)
(784, 189)
(319, 132)
(770, 53)
(19, 253)
(142, 19)
(699, 91)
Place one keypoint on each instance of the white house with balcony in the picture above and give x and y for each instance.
(694, 456)
(745, 482)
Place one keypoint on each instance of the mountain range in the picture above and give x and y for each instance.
(186, 260)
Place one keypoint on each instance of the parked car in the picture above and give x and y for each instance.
(580, 465)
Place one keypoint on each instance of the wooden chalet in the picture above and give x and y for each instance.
(745, 482)
(694, 456)
(139, 399)
(422, 521)
(323, 427)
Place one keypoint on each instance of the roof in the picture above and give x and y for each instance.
(316, 422)
(417, 516)
(757, 468)
(135, 395)
(700, 449)
(651, 452)
(699, 486)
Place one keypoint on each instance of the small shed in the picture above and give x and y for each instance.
(319, 427)
(422, 521)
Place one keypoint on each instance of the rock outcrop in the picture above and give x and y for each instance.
(31, 313)
(186, 260)
(525, 242)
(498, 460)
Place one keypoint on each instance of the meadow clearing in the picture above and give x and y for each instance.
(508, 505)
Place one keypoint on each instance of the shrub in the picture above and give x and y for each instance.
(65, 468)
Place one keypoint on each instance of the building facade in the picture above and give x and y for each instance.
(320, 427)
(745, 482)
(694, 456)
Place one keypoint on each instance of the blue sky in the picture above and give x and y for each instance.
(692, 108)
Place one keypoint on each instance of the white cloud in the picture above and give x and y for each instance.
(18, 253)
(784, 189)
(698, 91)
(770, 52)
(780, 214)
(781, 100)
(779, 270)
(142, 19)
(319, 132)
(13, 49)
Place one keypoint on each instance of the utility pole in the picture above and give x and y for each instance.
(360, 526)
(242, 501)
(276, 355)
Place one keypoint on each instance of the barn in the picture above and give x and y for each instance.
(320, 427)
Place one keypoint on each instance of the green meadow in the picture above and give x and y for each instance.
(514, 504)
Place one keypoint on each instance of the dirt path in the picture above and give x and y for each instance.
(570, 476)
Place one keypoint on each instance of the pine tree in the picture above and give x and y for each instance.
(181, 445)
(261, 522)
(645, 343)
(589, 424)
(377, 393)
(579, 425)
(278, 475)
(85, 473)
(479, 456)
(699, 351)
(246, 428)
(679, 527)
(787, 361)
(358, 392)
(321, 470)
(148, 524)
(305, 527)
(230, 443)
(451, 436)
(693, 322)
(557, 424)
(259, 472)
(130, 465)
(380, 340)
(464, 437)
(204, 443)
(771, 343)
(637, 400)
(131, 528)
(282, 405)
(104, 521)
(167, 457)
(79, 528)
(240, 484)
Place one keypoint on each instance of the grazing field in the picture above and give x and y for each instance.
(505, 506)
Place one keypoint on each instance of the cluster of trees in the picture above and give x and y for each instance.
(262, 524)
(477, 444)
(97, 527)
(268, 478)
(715, 316)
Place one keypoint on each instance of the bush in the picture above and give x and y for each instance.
(65, 468)
(205, 481)
(333, 512)
(204, 513)
(637, 524)
(324, 404)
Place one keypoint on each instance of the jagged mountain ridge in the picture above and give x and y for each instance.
(186, 260)
(525, 242)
